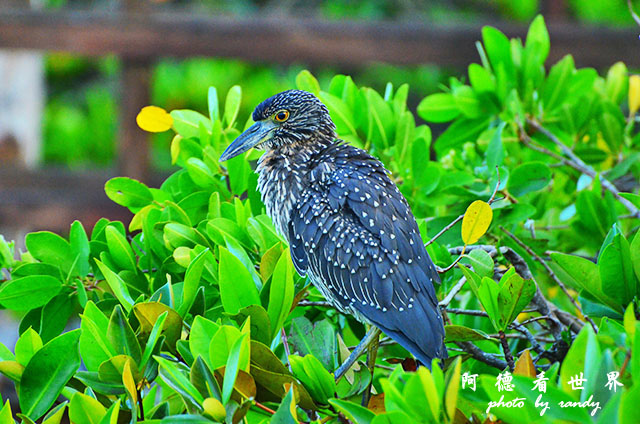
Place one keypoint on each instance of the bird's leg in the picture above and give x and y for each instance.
(371, 335)
(371, 364)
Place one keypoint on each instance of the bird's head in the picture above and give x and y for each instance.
(293, 116)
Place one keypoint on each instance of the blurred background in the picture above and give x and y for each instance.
(74, 74)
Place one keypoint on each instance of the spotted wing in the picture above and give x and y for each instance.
(354, 234)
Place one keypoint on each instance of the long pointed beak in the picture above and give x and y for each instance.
(257, 133)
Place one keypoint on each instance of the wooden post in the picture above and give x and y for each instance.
(133, 149)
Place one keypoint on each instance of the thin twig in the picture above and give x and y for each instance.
(287, 351)
(507, 350)
(320, 303)
(633, 12)
(492, 199)
(579, 165)
(452, 293)
(472, 312)
(552, 274)
(488, 358)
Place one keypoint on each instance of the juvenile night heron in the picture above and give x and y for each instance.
(348, 226)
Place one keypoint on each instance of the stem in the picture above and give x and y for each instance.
(264, 408)
(455, 221)
(507, 350)
(141, 406)
(578, 164)
(487, 358)
(371, 363)
(373, 334)
(285, 343)
(550, 272)
(453, 292)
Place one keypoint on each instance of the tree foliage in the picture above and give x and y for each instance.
(192, 312)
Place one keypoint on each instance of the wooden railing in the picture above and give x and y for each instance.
(141, 37)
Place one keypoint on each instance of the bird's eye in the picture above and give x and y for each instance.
(282, 116)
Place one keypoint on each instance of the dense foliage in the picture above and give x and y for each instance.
(193, 311)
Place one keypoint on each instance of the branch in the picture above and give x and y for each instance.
(454, 290)
(550, 272)
(492, 199)
(487, 358)
(578, 164)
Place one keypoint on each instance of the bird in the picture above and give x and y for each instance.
(349, 228)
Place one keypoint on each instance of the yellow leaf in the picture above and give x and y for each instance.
(634, 94)
(524, 365)
(129, 382)
(154, 119)
(214, 408)
(476, 221)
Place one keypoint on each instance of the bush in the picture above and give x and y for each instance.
(186, 313)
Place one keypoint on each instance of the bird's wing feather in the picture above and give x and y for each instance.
(353, 232)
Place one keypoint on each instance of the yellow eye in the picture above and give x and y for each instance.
(282, 116)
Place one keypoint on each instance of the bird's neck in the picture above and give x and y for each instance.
(282, 173)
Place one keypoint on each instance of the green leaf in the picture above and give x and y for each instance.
(54, 416)
(460, 333)
(212, 100)
(237, 288)
(616, 271)
(488, 293)
(314, 376)
(174, 374)
(515, 294)
(95, 347)
(47, 373)
(192, 281)
(121, 335)
(584, 356)
(202, 331)
(50, 248)
(117, 285)
(281, 293)
(232, 105)
(458, 133)
(79, 244)
(634, 251)
(27, 345)
(593, 213)
(187, 123)
(221, 344)
(120, 249)
(5, 414)
(481, 262)
(617, 82)
(340, 113)
(528, 177)
(200, 173)
(538, 39)
(128, 192)
(203, 380)
(555, 88)
(85, 409)
(153, 339)
(307, 82)
(467, 102)
(495, 152)
(317, 339)
(286, 412)
(231, 368)
(439, 107)
(24, 293)
(353, 411)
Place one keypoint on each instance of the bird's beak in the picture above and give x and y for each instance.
(256, 134)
